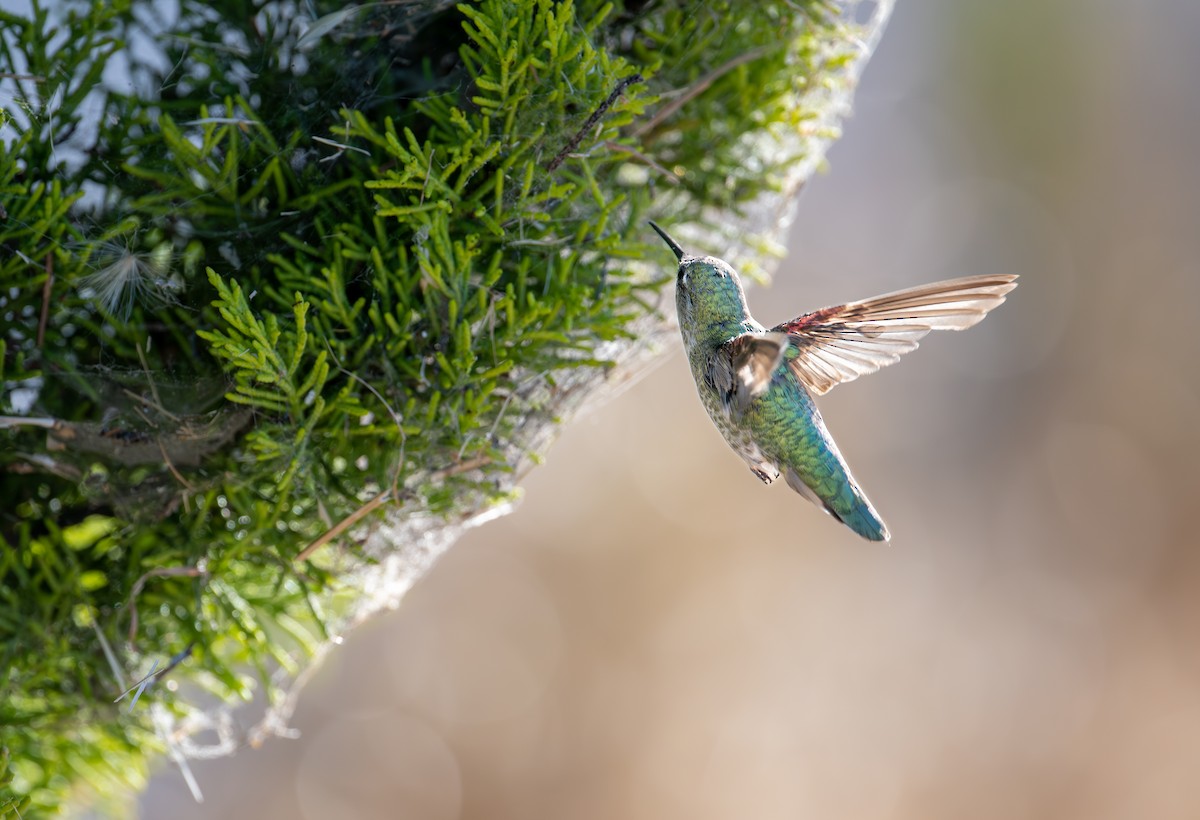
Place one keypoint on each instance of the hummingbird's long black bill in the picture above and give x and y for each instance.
(671, 243)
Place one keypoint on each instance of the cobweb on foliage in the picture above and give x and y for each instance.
(410, 541)
(398, 553)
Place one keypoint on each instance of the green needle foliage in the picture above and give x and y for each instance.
(260, 273)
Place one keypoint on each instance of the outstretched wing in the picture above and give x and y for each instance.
(741, 369)
(839, 344)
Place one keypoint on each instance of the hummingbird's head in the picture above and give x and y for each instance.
(708, 293)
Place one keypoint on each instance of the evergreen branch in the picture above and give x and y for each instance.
(450, 273)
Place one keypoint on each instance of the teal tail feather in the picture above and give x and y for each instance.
(850, 506)
(863, 519)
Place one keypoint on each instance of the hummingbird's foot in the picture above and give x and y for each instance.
(765, 473)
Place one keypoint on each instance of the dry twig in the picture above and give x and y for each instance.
(594, 118)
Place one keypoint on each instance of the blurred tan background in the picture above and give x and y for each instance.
(656, 635)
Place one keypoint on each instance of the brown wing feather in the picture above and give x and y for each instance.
(839, 344)
(741, 369)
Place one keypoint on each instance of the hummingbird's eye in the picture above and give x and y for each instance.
(682, 281)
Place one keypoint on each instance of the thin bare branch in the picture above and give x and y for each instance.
(697, 88)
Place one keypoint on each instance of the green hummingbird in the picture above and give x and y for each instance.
(758, 384)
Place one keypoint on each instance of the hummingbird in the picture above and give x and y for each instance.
(758, 384)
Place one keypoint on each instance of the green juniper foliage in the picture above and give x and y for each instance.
(259, 273)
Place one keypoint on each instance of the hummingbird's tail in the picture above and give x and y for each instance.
(850, 506)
